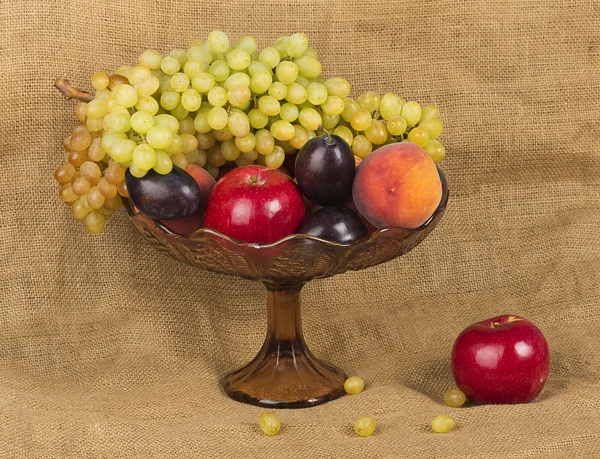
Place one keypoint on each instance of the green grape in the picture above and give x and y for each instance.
(435, 150)
(345, 133)
(310, 119)
(278, 90)
(411, 112)
(170, 65)
(369, 101)
(419, 136)
(390, 106)
(377, 132)
(282, 130)
(264, 142)
(430, 111)
(354, 385)
(316, 93)
(275, 159)
(237, 79)
(397, 125)
(220, 70)
(302, 81)
(203, 82)
(94, 198)
(147, 86)
(199, 157)
(108, 141)
(122, 150)
(248, 44)
(175, 146)
(144, 157)
(180, 82)
(350, 106)
(193, 68)
(286, 72)
(150, 59)
(180, 55)
(238, 96)
(141, 122)
(269, 423)
(201, 122)
(338, 87)
(364, 426)
(280, 44)
(296, 45)
(136, 171)
(238, 124)
(100, 81)
(170, 122)
(218, 41)
(330, 121)
(256, 66)
(455, 398)
(158, 137)
(243, 161)
(251, 155)
(246, 143)
(223, 134)
(269, 105)
(103, 94)
(96, 109)
(433, 126)
(238, 59)
(289, 112)
(212, 170)
(217, 96)
(136, 74)
(170, 99)
(186, 126)
(217, 117)
(80, 111)
(260, 82)
(361, 146)
(309, 67)
(215, 157)
(163, 164)
(205, 140)
(229, 151)
(191, 100)
(442, 424)
(94, 125)
(258, 119)
(312, 52)
(269, 57)
(296, 94)
(189, 143)
(199, 54)
(360, 119)
(334, 105)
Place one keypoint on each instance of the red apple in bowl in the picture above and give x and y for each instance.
(503, 360)
(255, 204)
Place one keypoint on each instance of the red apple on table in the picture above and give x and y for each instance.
(255, 204)
(502, 360)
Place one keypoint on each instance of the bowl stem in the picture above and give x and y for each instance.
(285, 374)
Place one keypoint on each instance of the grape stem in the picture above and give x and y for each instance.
(329, 139)
(72, 93)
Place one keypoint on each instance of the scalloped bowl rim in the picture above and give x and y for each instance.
(296, 236)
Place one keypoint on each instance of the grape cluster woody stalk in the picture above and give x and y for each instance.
(216, 104)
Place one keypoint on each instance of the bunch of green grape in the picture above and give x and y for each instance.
(218, 103)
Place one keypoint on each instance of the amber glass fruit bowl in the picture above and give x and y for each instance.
(284, 374)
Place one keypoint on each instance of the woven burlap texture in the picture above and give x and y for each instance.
(109, 349)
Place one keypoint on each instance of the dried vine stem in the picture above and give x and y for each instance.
(72, 93)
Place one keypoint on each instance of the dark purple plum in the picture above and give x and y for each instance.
(164, 197)
(334, 223)
(325, 170)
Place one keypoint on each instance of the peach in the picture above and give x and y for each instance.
(195, 221)
(397, 185)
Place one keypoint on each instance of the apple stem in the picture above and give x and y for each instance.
(496, 325)
(329, 139)
(72, 93)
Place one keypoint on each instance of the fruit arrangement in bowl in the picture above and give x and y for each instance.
(250, 163)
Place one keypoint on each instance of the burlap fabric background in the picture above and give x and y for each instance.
(111, 350)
